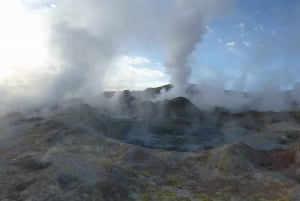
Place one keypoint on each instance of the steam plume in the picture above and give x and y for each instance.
(87, 36)
(95, 32)
(184, 31)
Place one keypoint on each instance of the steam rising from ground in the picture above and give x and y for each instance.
(86, 38)
(184, 31)
(85, 42)
(88, 42)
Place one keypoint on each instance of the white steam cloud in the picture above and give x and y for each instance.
(184, 31)
(91, 35)
(87, 37)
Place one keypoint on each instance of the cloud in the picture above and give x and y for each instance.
(135, 60)
(246, 43)
(131, 71)
(230, 44)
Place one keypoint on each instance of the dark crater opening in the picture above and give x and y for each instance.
(175, 124)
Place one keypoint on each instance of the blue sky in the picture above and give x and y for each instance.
(255, 36)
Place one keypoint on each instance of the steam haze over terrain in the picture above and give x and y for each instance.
(142, 100)
(56, 50)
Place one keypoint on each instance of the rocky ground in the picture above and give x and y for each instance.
(166, 150)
